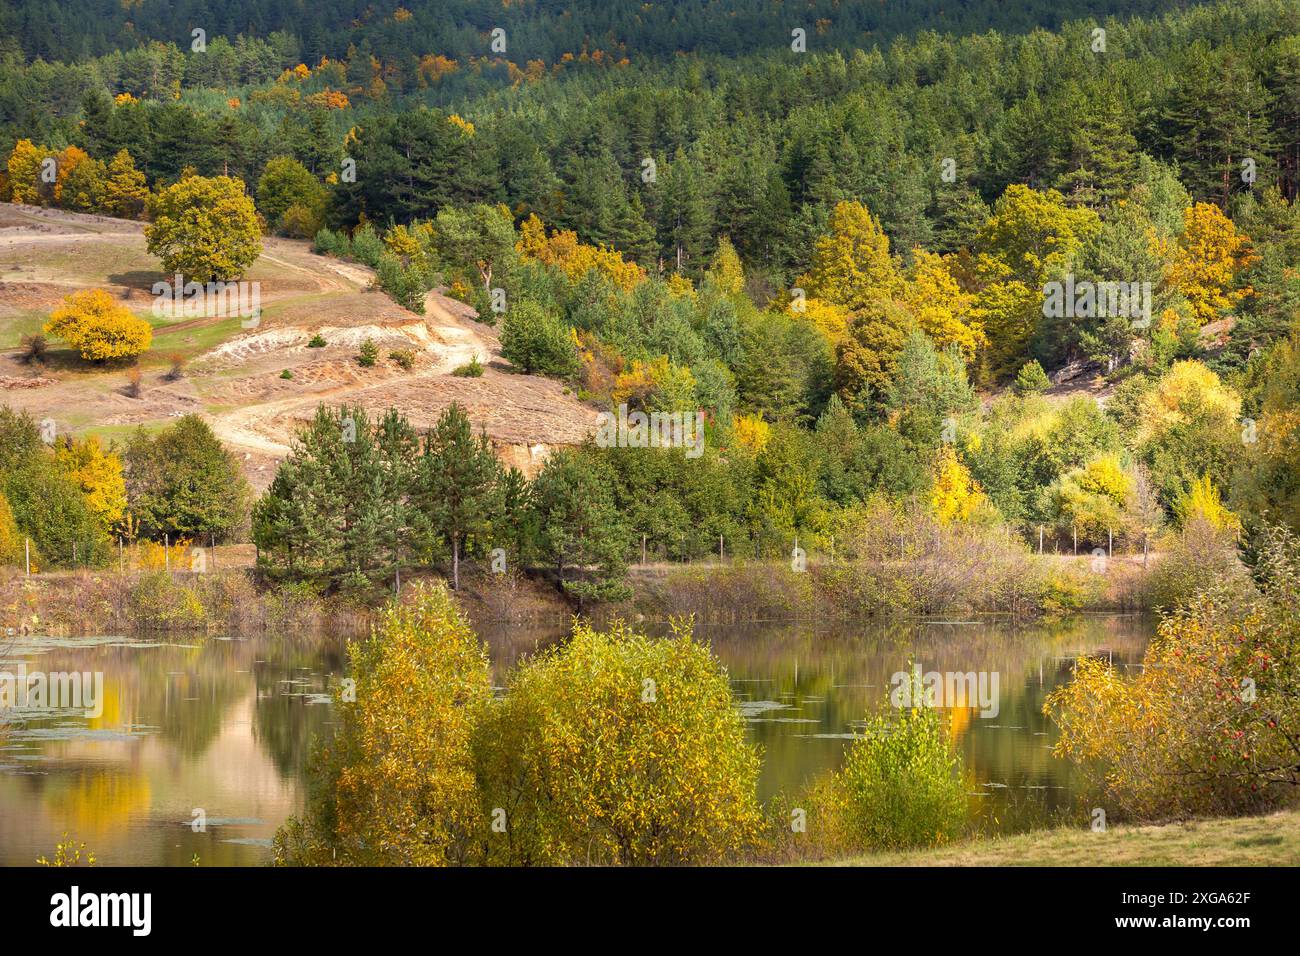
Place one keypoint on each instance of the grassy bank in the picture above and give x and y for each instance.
(1271, 840)
(235, 598)
(961, 582)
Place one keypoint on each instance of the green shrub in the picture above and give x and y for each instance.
(472, 369)
(317, 342)
(159, 603)
(286, 374)
(403, 357)
(332, 243)
(618, 748)
(405, 285)
(1031, 380)
(369, 354)
(901, 784)
(537, 341)
(367, 248)
(50, 508)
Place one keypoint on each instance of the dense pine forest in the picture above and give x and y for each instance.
(832, 310)
(830, 247)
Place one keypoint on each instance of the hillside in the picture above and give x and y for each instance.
(232, 375)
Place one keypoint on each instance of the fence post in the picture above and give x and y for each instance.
(1074, 530)
(1040, 539)
(643, 549)
(721, 554)
(1110, 542)
(27, 555)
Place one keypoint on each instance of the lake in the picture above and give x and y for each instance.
(218, 730)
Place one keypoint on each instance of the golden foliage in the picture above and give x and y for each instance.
(563, 250)
(1207, 724)
(1207, 260)
(1203, 501)
(956, 495)
(464, 125)
(851, 265)
(99, 475)
(402, 787)
(751, 432)
(94, 324)
(1187, 385)
(942, 309)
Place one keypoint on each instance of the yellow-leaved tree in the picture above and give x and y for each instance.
(751, 432)
(1188, 387)
(11, 541)
(830, 319)
(25, 167)
(942, 308)
(204, 228)
(956, 497)
(851, 265)
(726, 272)
(574, 258)
(1030, 238)
(1209, 256)
(1202, 501)
(99, 475)
(397, 783)
(125, 192)
(98, 327)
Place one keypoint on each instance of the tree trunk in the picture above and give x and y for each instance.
(455, 562)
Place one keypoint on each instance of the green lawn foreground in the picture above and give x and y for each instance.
(1272, 840)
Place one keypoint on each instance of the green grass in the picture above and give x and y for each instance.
(190, 341)
(1272, 840)
(14, 328)
(108, 434)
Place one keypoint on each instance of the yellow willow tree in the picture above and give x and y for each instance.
(396, 786)
(619, 748)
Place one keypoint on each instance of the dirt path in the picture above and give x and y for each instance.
(451, 341)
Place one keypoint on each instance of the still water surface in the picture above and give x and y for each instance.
(225, 725)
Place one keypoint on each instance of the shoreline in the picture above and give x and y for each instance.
(1271, 839)
(105, 601)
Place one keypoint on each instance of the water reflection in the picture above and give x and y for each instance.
(225, 725)
(218, 725)
(808, 690)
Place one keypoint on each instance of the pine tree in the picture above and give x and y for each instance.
(456, 485)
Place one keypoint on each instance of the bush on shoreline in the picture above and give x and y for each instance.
(611, 748)
(1211, 722)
